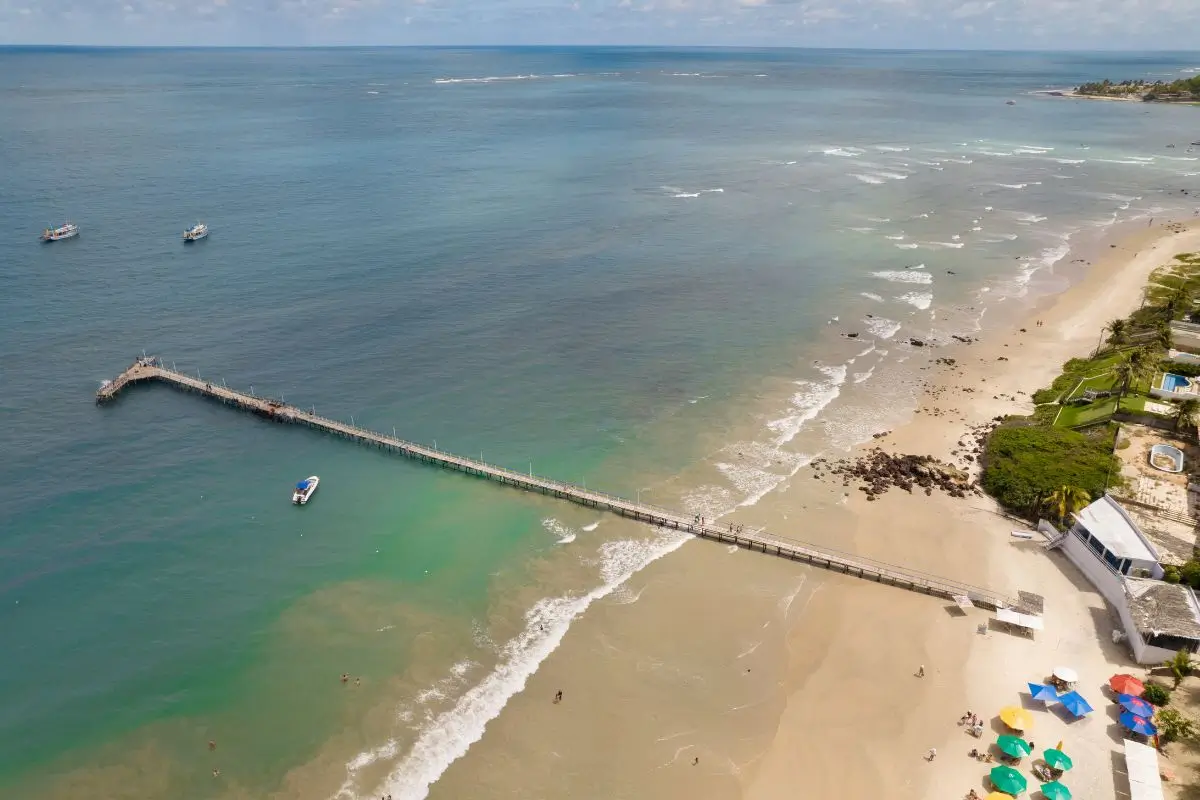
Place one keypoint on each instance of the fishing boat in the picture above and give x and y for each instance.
(304, 490)
(64, 231)
(196, 232)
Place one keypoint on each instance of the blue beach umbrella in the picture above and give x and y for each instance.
(1137, 705)
(1043, 692)
(1075, 703)
(1138, 724)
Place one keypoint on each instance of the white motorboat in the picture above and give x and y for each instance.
(64, 231)
(196, 232)
(304, 490)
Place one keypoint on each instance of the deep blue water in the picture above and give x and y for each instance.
(543, 255)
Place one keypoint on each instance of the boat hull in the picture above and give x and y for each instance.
(58, 237)
(196, 238)
(302, 496)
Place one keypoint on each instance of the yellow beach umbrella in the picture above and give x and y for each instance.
(1016, 718)
(998, 796)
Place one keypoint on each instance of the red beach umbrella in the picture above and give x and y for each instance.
(1126, 684)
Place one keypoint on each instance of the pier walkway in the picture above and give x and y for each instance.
(147, 369)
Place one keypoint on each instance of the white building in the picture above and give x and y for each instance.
(1112, 552)
(1185, 336)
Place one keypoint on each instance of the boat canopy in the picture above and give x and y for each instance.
(302, 484)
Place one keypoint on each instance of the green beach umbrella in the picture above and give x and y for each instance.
(1008, 780)
(1056, 791)
(1057, 759)
(1014, 746)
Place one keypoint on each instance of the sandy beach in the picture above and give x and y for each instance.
(896, 633)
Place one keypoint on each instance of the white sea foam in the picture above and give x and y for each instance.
(844, 152)
(562, 533)
(865, 229)
(452, 732)
(882, 328)
(897, 238)
(863, 377)
(808, 402)
(921, 300)
(1030, 218)
(490, 79)
(872, 296)
(1071, 160)
(872, 179)
(954, 245)
(1013, 185)
(915, 275)
(591, 527)
(912, 246)
(879, 219)
(959, 161)
(892, 176)
(888, 148)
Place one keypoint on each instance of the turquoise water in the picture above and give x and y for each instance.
(580, 261)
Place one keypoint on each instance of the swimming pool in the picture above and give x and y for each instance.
(1175, 383)
(1166, 458)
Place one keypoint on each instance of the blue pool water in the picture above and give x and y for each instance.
(1175, 383)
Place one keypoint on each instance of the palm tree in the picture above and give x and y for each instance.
(1181, 665)
(1179, 299)
(1066, 500)
(1186, 413)
(1136, 365)
(1118, 331)
(1162, 336)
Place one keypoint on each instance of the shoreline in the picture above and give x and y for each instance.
(1071, 322)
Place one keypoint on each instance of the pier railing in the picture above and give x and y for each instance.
(153, 369)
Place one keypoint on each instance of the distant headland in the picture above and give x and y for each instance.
(1186, 90)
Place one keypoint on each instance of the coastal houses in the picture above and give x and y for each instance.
(1117, 558)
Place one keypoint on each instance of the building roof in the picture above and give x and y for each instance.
(1141, 765)
(1106, 521)
(1168, 609)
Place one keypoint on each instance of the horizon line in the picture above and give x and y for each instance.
(547, 46)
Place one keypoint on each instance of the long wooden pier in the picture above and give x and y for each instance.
(148, 369)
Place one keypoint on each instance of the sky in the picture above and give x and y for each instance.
(954, 24)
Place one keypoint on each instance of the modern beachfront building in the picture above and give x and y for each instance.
(1112, 538)
(1105, 543)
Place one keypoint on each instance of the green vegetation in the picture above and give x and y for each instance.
(1061, 457)
(1183, 90)
(1026, 466)
(1173, 726)
(1156, 694)
(1181, 665)
(1189, 573)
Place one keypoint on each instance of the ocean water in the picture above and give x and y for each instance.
(671, 274)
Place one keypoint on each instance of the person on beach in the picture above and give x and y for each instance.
(921, 671)
(558, 696)
(345, 677)
(932, 754)
(212, 745)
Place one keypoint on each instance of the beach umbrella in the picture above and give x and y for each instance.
(1008, 780)
(1137, 705)
(1043, 692)
(1055, 791)
(1138, 724)
(1014, 746)
(998, 796)
(1066, 674)
(1075, 703)
(1126, 684)
(1057, 759)
(1016, 718)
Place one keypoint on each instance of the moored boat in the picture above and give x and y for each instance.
(304, 489)
(64, 231)
(196, 232)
